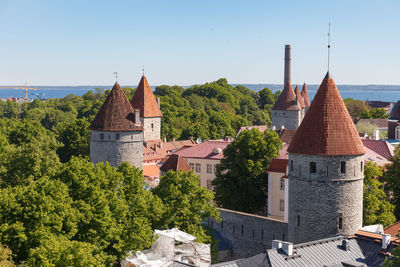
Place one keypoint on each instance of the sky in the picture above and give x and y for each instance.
(189, 42)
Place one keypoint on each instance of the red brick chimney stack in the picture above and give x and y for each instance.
(287, 65)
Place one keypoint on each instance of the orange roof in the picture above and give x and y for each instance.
(116, 113)
(327, 128)
(151, 170)
(393, 230)
(144, 100)
(175, 163)
(157, 150)
(300, 100)
(286, 100)
(278, 165)
(304, 94)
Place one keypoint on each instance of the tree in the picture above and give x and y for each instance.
(377, 210)
(5, 257)
(267, 99)
(374, 113)
(369, 128)
(241, 181)
(392, 178)
(355, 108)
(186, 204)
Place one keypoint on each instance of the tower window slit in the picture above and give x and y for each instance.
(340, 222)
(291, 165)
(242, 229)
(313, 167)
(298, 219)
(342, 167)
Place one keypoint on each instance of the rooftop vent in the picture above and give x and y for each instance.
(345, 245)
(282, 127)
(287, 248)
(217, 150)
(276, 244)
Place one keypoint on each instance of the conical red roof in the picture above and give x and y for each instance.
(144, 100)
(286, 100)
(304, 94)
(300, 100)
(327, 128)
(116, 114)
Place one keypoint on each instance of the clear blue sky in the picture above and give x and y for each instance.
(186, 42)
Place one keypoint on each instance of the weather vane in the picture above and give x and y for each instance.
(116, 76)
(143, 70)
(329, 42)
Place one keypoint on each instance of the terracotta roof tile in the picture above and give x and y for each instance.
(393, 230)
(286, 135)
(286, 100)
(381, 147)
(304, 94)
(205, 150)
(151, 170)
(299, 97)
(157, 150)
(175, 163)
(278, 165)
(327, 128)
(144, 100)
(116, 113)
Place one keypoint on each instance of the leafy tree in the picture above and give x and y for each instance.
(355, 108)
(267, 99)
(5, 257)
(241, 177)
(186, 203)
(392, 178)
(376, 207)
(369, 128)
(374, 113)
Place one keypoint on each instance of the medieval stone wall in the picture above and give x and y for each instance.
(117, 147)
(325, 203)
(291, 119)
(152, 128)
(249, 234)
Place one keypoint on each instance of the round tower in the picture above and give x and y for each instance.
(394, 122)
(326, 165)
(116, 134)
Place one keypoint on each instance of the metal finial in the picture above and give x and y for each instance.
(329, 43)
(143, 70)
(116, 76)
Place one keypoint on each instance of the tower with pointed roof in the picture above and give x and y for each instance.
(326, 164)
(116, 133)
(150, 113)
(289, 109)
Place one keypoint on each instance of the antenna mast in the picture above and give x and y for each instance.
(116, 76)
(143, 70)
(329, 42)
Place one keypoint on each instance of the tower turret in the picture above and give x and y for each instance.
(326, 164)
(116, 133)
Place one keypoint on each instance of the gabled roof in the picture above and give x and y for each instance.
(299, 98)
(304, 94)
(116, 113)
(286, 100)
(175, 163)
(211, 149)
(144, 100)
(381, 147)
(327, 128)
(393, 229)
(278, 165)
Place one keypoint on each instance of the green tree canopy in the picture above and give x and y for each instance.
(241, 181)
(392, 178)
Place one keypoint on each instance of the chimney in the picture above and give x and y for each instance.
(137, 115)
(158, 102)
(173, 139)
(345, 245)
(376, 135)
(165, 139)
(287, 65)
(287, 248)
(276, 244)
(386, 240)
(273, 128)
(282, 127)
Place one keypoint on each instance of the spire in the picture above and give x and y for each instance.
(116, 113)
(304, 94)
(144, 100)
(299, 97)
(327, 128)
(286, 100)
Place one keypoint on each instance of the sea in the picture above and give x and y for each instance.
(387, 93)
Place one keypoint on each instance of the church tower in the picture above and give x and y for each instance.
(116, 133)
(326, 164)
(287, 112)
(150, 113)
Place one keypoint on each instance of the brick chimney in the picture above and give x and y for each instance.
(287, 65)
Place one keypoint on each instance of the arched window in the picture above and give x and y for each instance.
(313, 167)
(397, 133)
(342, 167)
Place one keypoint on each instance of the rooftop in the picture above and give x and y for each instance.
(175, 163)
(211, 149)
(304, 94)
(278, 165)
(144, 100)
(286, 100)
(381, 147)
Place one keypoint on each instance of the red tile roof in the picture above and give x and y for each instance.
(304, 94)
(286, 100)
(144, 100)
(151, 170)
(116, 113)
(157, 150)
(393, 230)
(175, 163)
(327, 128)
(381, 147)
(371, 155)
(300, 100)
(206, 150)
(286, 135)
(278, 165)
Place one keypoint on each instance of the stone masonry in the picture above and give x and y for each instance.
(290, 119)
(152, 128)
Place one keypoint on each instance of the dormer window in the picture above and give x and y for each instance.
(313, 167)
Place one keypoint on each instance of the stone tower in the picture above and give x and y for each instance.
(304, 94)
(394, 122)
(287, 111)
(116, 133)
(150, 113)
(326, 164)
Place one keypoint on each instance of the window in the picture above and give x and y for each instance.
(109, 137)
(191, 165)
(282, 184)
(262, 233)
(291, 165)
(327, 171)
(282, 205)
(152, 126)
(131, 136)
(397, 133)
(117, 136)
(198, 167)
(242, 229)
(209, 185)
(215, 168)
(342, 167)
(101, 136)
(313, 167)
(298, 219)
(340, 222)
(362, 163)
(209, 168)
(300, 170)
